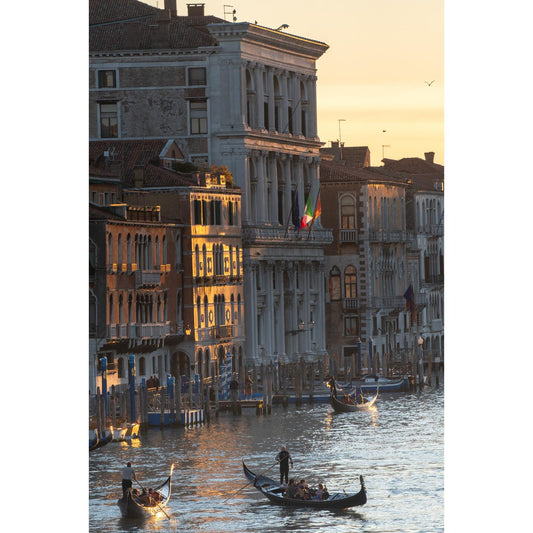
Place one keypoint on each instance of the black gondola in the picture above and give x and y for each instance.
(344, 407)
(131, 507)
(274, 492)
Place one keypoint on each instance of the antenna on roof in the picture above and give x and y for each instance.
(230, 12)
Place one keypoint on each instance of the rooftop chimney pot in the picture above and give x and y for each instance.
(429, 156)
(195, 10)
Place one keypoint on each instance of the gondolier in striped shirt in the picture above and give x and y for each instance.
(284, 458)
(128, 474)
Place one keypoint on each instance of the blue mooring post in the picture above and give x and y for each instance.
(131, 381)
(370, 357)
(103, 362)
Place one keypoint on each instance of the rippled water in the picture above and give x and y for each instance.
(398, 447)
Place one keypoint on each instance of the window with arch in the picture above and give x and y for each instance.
(120, 367)
(335, 284)
(206, 311)
(350, 282)
(110, 249)
(142, 366)
(119, 250)
(347, 212)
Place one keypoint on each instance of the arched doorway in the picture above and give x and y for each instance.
(180, 364)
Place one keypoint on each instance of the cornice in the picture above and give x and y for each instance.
(267, 37)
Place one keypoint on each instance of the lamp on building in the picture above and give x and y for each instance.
(188, 329)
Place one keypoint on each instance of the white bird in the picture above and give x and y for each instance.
(429, 83)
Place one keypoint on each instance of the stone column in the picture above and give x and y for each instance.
(260, 97)
(271, 101)
(311, 107)
(284, 119)
(297, 107)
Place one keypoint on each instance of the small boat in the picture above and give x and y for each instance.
(370, 384)
(131, 507)
(132, 430)
(119, 434)
(93, 439)
(274, 492)
(97, 439)
(344, 407)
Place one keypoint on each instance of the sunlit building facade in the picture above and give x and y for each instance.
(242, 96)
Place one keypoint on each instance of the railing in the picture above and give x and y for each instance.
(350, 304)
(382, 235)
(280, 234)
(388, 301)
(221, 332)
(147, 277)
(348, 235)
(154, 330)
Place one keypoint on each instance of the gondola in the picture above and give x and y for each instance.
(130, 507)
(274, 492)
(94, 439)
(343, 407)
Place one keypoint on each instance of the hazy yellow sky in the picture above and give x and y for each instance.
(373, 75)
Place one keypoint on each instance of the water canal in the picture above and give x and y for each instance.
(398, 447)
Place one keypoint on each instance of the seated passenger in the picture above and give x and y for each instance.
(303, 490)
(319, 492)
(291, 489)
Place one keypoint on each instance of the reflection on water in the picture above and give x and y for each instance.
(397, 446)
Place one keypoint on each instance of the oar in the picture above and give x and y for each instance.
(158, 506)
(264, 472)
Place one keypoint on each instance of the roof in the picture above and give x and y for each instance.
(422, 173)
(334, 172)
(132, 25)
(98, 212)
(126, 155)
(358, 156)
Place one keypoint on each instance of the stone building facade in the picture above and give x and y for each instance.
(238, 95)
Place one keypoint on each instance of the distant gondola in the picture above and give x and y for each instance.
(131, 507)
(343, 407)
(336, 500)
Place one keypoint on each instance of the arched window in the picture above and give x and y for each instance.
(206, 311)
(111, 310)
(109, 249)
(347, 212)
(120, 367)
(142, 366)
(335, 284)
(197, 261)
(350, 282)
(129, 258)
(119, 251)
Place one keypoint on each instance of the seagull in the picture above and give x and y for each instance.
(429, 83)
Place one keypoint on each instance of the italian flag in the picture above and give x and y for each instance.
(308, 214)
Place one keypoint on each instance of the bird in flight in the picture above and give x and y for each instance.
(429, 83)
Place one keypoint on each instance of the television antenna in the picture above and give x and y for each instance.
(226, 12)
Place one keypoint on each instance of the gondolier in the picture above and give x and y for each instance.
(284, 458)
(128, 474)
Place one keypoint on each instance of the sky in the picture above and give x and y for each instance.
(371, 88)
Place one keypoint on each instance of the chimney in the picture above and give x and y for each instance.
(138, 176)
(429, 157)
(195, 10)
(170, 8)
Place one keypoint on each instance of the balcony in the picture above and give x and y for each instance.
(223, 332)
(350, 305)
(280, 235)
(147, 278)
(152, 331)
(388, 301)
(348, 235)
(382, 235)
